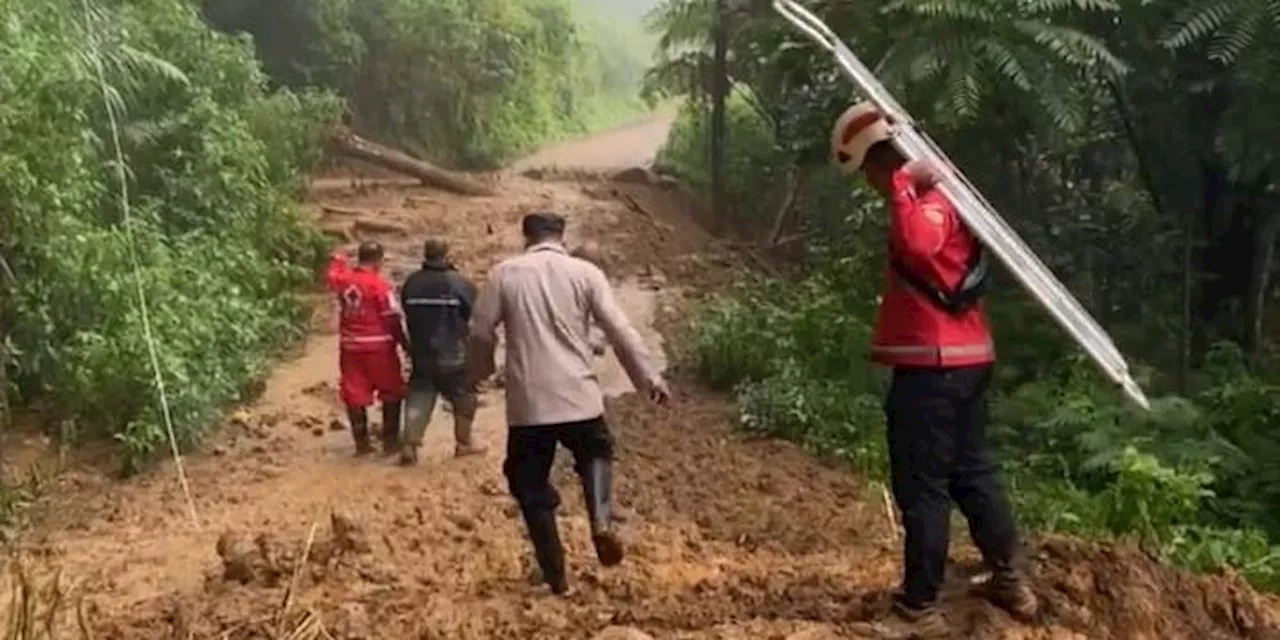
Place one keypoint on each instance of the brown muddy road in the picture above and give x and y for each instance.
(728, 538)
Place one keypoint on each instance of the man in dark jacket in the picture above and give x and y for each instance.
(437, 303)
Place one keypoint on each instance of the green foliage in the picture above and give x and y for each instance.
(211, 238)
(750, 155)
(469, 83)
(965, 55)
(1079, 462)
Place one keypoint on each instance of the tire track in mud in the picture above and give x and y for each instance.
(728, 537)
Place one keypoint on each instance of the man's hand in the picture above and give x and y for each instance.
(922, 173)
(659, 392)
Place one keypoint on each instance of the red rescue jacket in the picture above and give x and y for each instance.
(369, 312)
(928, 237)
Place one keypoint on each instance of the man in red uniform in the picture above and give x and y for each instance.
(371, 331)
(932, 331)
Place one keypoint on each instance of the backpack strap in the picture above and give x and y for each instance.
(967, 294)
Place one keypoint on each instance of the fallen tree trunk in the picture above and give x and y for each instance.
(346, 143)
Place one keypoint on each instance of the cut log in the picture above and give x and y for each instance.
(374, 227)
(348, 144)
(342, 211)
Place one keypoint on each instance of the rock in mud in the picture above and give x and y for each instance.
(347, 535)
(242, 419)
(622, 633)
(308, 422)
(237, 555)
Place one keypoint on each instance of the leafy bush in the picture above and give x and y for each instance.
(212, 237)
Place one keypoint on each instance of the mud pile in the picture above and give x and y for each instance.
(728, 538)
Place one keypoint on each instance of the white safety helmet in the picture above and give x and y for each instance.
(856, 130)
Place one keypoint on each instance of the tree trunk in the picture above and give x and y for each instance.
(1260, 283)
(788, 205)
(719, 96)
(7, 279)
(351, 145)
(1234, 264)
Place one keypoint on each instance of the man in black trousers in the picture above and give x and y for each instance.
(546, 301)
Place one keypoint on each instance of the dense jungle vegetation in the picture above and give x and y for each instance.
(1133, 147)
(220, 110)
(465, 83)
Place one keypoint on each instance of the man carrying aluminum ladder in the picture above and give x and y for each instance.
(932, 330)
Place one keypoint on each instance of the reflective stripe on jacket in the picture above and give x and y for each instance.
(927, 235)
(437, 303)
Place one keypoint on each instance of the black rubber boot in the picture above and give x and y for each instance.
(391, 427)
(597, 487)
(545, 536)
(359, 418)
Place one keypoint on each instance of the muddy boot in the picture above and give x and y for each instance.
(545, 536)
(597, 487)
(464, 443)
(359, 418)
(408, 455)
(391, 427)
(1009, 590)
(908, 623)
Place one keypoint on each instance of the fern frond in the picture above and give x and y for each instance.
(1229, 43)
(1049, 6)
(1061, 107)
(964, 92)
(953, 11)
(1072, 46)
(1005, 62)
(923, 56)
(1200, 24)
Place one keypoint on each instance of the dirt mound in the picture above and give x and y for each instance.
(727, 538)
(1124, 594)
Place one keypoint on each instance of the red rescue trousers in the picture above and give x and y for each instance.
(366, 373)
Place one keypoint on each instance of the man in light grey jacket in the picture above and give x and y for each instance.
(546, 300)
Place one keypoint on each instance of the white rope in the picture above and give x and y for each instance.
(143, 310)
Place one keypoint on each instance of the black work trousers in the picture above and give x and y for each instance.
(938, 452)
(531, 450)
